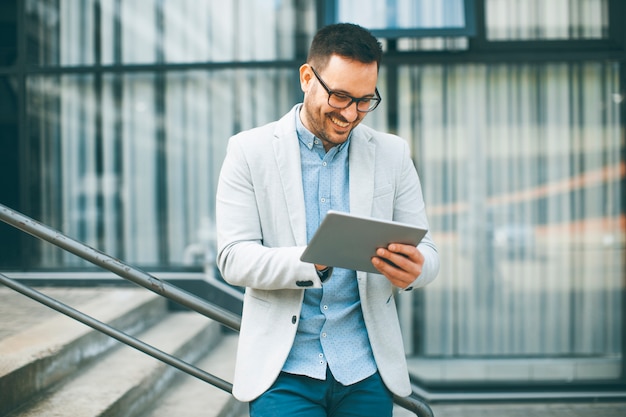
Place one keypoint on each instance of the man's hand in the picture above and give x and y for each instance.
(407, 263)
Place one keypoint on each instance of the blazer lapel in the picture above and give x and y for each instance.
(361, 160)
(287, 154)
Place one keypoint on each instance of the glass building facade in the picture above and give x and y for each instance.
(115, 114)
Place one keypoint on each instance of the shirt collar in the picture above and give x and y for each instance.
(308, 139)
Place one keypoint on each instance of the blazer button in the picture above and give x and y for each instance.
(294, 319)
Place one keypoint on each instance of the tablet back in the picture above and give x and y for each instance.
(347, 241)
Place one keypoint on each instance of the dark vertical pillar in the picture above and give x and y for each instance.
(9, 130)
(161, 145)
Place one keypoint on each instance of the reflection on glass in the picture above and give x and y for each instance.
(129, 163)
(521, 171)
(77, 32)
(540, 19)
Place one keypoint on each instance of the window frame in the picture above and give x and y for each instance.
(469, 29)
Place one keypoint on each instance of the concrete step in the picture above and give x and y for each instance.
(126, 382)
(191, 397)
(40, 347)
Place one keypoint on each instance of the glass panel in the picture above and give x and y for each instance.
(433, 44)
(76, 32)
(402, 14)
(130, 162)
(521, 172)
(540, 19)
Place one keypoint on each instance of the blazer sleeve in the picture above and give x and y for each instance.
(247, 186)
(409, 206)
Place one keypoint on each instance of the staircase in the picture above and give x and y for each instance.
(51, 365)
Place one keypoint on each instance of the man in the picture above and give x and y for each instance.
(316, 341)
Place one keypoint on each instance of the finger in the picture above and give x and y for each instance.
(407, 250)
(400, 248)
(411, 266)
(397, 276)
(399, 259)
(412, 253)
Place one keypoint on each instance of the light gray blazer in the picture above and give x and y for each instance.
(261, 233)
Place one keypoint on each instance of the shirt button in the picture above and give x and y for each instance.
(324, 164)
(323, 200)
(324, 334)
(321, 355)
(325, 307)
(310, 144)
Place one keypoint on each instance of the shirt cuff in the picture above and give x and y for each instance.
(325, 273)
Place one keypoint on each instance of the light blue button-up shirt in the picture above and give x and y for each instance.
(331, 331)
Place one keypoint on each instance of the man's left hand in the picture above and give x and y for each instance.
(406, 263)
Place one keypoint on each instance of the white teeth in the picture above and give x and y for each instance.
(340, 123)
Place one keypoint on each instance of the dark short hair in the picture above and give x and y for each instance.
(347, 40)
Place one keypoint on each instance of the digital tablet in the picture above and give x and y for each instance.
(344, 240)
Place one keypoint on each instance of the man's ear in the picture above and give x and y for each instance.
(306, 75)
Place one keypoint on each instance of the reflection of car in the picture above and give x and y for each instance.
(516, 240)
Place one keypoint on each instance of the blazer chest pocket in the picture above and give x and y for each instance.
(382, 203)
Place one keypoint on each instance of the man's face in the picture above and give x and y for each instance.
(341, 75)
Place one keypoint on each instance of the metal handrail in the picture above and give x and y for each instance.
(28, 225)
(116, 334)
(124, 270)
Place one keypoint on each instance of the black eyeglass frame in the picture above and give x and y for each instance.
(376, 99)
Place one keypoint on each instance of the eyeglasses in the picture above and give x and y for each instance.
(342, 101)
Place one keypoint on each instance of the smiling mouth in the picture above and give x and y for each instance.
(339, 122)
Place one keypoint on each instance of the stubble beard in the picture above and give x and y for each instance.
(322, 125)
